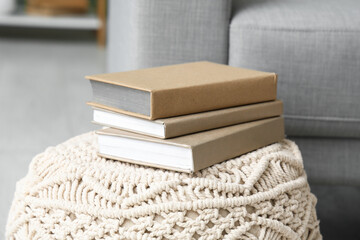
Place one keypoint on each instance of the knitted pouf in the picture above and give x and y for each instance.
(71, 193)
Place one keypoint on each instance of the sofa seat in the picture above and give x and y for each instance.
(315, 49)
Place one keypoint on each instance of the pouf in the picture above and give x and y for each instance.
(71, 193)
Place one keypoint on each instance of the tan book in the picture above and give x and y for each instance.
(192, 152)
(181, 89)
(63, 4)
(56, 7)
(191, 123)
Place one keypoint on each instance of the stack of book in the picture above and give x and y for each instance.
(185, 117)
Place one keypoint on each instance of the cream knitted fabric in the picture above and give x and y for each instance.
(71, 193)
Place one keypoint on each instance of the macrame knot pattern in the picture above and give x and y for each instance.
(71, 193)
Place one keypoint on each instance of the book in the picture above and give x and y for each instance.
(191, 123)
(191, 152)
(56, 7)
(181, 89)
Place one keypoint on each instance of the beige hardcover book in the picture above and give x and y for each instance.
(191, 123)
(192, 152)
(181, 89)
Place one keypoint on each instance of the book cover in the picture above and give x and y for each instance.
(192, 152)
(181, 89)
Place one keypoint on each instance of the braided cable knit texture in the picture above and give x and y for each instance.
(71, 193)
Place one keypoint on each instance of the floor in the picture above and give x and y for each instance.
(42, 97)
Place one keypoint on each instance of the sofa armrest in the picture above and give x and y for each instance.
(147, 33)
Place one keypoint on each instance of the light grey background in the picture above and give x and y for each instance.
(42, 97)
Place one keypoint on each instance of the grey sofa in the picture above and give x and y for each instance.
(314, 46)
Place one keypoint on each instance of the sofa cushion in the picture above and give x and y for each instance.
(339, 219)
(314, 47)
(331, 160)
(145, 33)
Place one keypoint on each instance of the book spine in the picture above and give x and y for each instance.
(221, 118)
(175, 102)
(238, 143)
